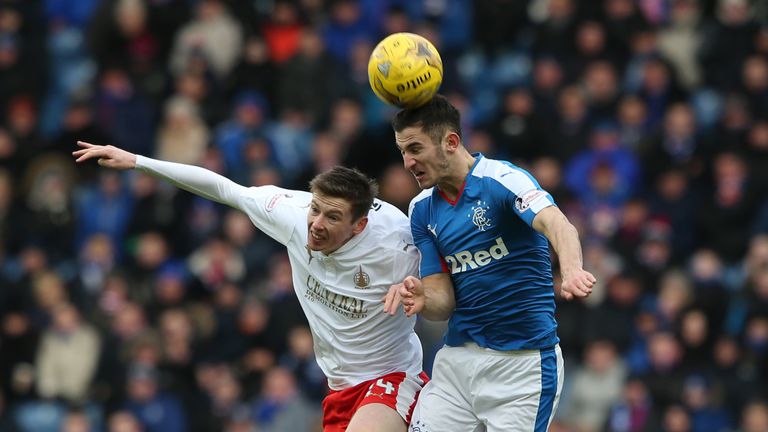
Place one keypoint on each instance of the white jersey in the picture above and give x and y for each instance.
(341, 293)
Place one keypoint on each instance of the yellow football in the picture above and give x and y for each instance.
(405, 70)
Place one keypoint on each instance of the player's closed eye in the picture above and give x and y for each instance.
(413, 149)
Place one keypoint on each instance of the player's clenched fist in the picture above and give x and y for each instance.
(577, 284)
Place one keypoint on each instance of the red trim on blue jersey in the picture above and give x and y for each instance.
(444, 265)
(448, 200)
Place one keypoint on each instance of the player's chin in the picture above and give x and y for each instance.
(315, 245)
(424, 182)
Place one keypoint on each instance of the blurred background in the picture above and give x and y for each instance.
(127, 306)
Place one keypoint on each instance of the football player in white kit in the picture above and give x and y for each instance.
(346, 249)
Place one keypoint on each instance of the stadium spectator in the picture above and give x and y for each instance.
(155, 410)
(280, 406)
(213, 35)
(755, 417)
(594, 387)
(68, 355)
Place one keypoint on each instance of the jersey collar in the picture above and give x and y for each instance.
(477, 157)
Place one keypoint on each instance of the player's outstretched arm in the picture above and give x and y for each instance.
(577, 282)
(432, 297)
(197, 180)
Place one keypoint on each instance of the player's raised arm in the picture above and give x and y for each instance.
(194, 179)
(564, 238)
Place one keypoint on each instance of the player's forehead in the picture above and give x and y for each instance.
(327, 203)
(411, 135)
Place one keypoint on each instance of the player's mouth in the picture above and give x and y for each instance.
(315, 236)
(419, 175)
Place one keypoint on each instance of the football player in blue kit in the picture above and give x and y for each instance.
(483, 228)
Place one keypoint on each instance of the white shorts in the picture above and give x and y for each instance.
(479, 389)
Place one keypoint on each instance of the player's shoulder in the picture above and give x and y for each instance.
(272, 197)
(495, 168)
(386, 216)
(388, 225)
(420, 200)
(282, 193)
(504, 174)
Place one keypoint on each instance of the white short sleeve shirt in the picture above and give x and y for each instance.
(342, 293)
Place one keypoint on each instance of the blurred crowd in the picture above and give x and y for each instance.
(127, 305)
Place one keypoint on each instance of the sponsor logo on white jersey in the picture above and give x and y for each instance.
(467, 260)
(341, 304)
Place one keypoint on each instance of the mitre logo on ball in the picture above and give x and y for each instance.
(405, 70)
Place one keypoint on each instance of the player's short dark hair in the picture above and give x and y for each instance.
(348, 184)
(436, 117)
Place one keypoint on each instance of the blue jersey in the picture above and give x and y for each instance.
(500, 265)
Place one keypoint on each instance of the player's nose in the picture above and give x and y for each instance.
(317, 222)
(408, 162)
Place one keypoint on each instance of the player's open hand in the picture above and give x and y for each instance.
(106, 156)
(577, 284)
(410, 294)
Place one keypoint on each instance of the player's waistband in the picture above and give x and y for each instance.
(520, 353)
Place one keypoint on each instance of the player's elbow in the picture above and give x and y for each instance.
(441, 307)
(437, 315)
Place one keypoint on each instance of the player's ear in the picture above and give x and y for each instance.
(360, 225)
(452, 141)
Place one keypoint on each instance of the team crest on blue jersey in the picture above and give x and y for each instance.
(479, 215)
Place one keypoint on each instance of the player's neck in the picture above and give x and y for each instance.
(453, 183)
